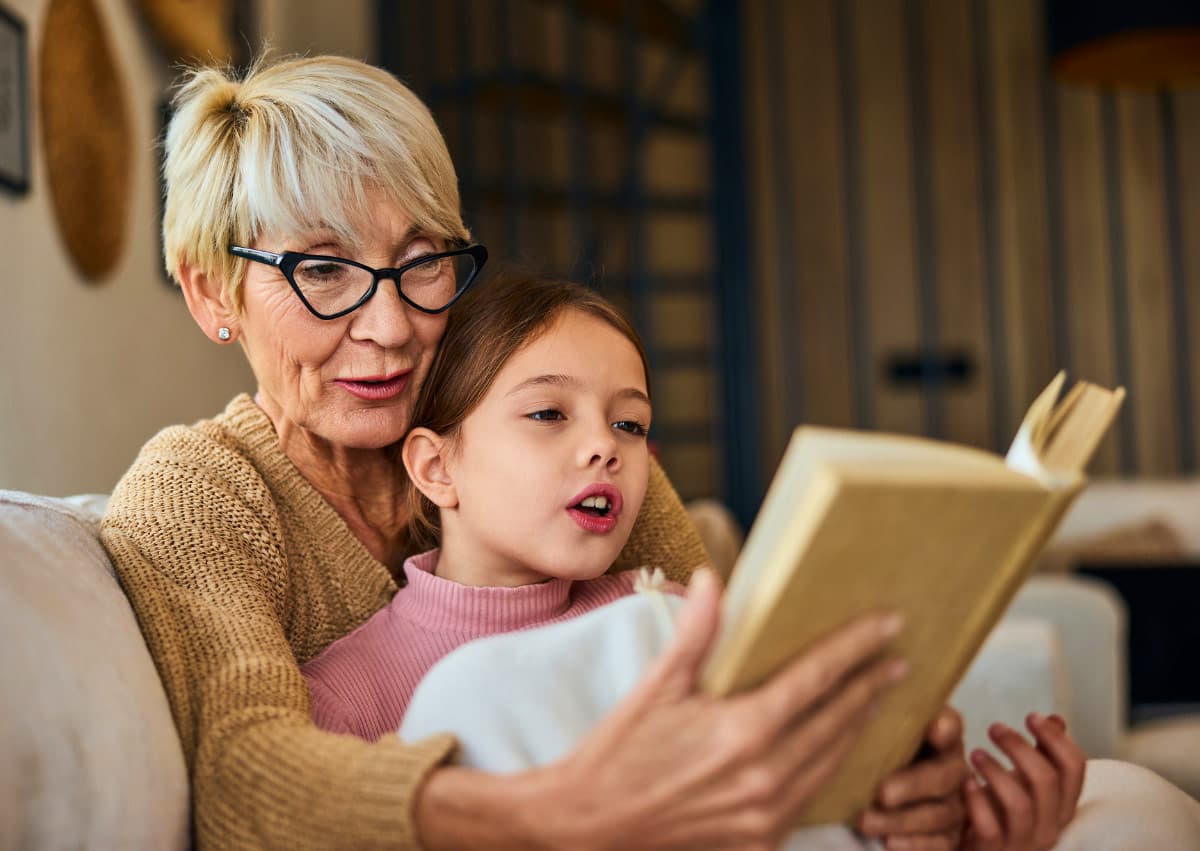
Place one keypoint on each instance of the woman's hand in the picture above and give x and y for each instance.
(1027, 807)
(671, 767)
(920, 807)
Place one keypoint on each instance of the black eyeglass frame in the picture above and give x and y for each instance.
(289, 260)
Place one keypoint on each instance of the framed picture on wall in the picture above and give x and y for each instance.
(14, 105)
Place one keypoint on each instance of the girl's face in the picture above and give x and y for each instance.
(550, 469)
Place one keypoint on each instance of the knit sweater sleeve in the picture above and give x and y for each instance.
(201, 557)
(663, 536)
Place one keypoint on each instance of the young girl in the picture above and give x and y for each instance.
(528, 464)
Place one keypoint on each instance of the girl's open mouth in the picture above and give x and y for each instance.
(596, 508)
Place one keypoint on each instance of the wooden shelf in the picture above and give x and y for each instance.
(559, 197)
(653, 20)
(533, 93)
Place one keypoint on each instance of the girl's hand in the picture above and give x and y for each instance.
(920, 807)
(671, 767)
(1027, 807)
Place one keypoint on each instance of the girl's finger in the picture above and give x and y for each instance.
(928, 817)
(929, 779)
(1016, 806)
(984, 829)
(1069, 759)
(936, 842)
(946, 731)
(1039, 776)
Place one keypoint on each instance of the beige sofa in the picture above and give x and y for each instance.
(88, 752)
(1125, 520)
(89, 756)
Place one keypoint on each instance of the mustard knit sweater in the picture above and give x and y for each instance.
(238, 570)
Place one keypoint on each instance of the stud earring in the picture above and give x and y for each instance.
(223, 334)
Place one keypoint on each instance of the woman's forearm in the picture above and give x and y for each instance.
(463, 808)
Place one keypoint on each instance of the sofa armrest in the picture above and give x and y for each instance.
(1090, 621)
(90, 753)
(1019, 669)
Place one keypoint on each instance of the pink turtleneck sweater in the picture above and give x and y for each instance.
(361, 683)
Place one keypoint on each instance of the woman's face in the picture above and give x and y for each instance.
(349, 382)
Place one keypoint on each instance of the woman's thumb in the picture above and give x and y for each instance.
(678, 668)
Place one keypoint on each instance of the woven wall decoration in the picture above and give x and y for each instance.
(86, 135)
(191, 31)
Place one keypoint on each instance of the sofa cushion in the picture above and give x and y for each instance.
(1171, 747)
(89, 748)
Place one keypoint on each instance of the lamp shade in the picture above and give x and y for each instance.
(1144, 43)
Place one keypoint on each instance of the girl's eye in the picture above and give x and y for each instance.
(547, 415)
(632, 427)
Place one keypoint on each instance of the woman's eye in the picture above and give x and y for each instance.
(632, 427)
(417, 249)
(547, 415)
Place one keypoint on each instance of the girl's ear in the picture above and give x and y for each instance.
(424, 455)
(208, 303)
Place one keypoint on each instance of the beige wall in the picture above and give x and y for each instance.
(345, 27)
(91, 371)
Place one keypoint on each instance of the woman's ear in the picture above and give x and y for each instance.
(424, 455)
(208, 303)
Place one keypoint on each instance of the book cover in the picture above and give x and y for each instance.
(856, 521)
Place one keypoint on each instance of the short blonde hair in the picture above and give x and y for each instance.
(292, 146)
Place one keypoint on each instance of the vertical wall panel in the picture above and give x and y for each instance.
(1086, 250)
(447, 39)
(1147, 276)
(1018, 55)
(1040, 213)
(958, 231)
(1176, 273)
(819, 274)
(887, 194)
(1187, 150)
(762, 96)
(799, 220)
(484, 20)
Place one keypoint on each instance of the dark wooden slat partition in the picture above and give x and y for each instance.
(1085, 249)
(1187, 150)
(1057, 225)
(957, 245)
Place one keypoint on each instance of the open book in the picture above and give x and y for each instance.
(857, 521)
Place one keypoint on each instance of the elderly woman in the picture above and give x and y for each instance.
(312, 217)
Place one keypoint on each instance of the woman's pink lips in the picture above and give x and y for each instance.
(375, 389)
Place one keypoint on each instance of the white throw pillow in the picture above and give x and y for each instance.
(523, 699)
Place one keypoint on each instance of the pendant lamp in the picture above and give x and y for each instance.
(1137, 43)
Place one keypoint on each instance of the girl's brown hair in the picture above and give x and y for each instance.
(486, 327)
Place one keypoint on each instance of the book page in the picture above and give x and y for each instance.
(1057, 438)
(1078, 428)
(1025, 452)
